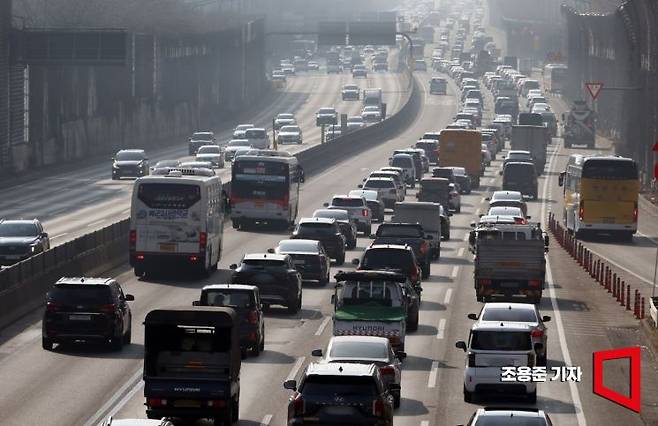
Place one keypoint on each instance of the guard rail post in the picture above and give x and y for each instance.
(614, 283)
(628, 298)
(623, 293)
(642, 308)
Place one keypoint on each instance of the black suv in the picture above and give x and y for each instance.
(245, 300)
(340, 393)
(447, 173)
(325, 230)
(391, 257)
(20, 239)
(87, 309)
(275, 276)
(130, 163)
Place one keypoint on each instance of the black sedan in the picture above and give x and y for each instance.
(308, 257)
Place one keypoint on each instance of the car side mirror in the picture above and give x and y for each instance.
(472, 316)
(290, 385)
(129, 297)
(400, 355)
(333, 299)
(538, 347)
(461, 345)
(449, 214)
(233, 266)
(528, 217)
(473, 224)
(44, 235)
(326, 204)
(196, 303)
(480, 215)
(545, 318)
(372, 236)
(355, 262)
(316, 352)
(500, 173)
(359, 186)
(270, 250)
(488, 198)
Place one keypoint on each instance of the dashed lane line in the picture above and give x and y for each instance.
(455, 271)
(448, 296)
(441, 328)
(295, 368)
(431, 381)
(460, 252)
(266, 420)
(323, 325)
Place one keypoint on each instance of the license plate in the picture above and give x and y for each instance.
(509, 285)
(338, 411)
(80, 317)
(259, 203)
(187, 403)
(168, 247)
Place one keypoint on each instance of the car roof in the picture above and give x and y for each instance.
(136, 422)
(84, 280)
(140, 151)
(364, 339)
(340, 369)
(509, 305)
(327, 220)
(499, 326)
(510, 412)
(309, 243)
(264, 256)
(506, 195)
(243, 287)
(381, 178)
(518, 151)
(345, 196)
(34, 221)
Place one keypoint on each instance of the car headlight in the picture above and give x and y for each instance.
(115, 166)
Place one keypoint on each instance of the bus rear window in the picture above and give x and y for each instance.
(610, 170)
(168, 196)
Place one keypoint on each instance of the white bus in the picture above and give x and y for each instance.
(177, 216)
(265, 188)
(555, 77)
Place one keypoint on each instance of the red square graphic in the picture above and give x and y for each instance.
(633, 401)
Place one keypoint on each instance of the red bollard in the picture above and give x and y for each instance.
(597, 275)
(614, 283)
(618, 295)
(628, 298)
(623, 293)
(607, 278)
(642, 308)
(636, 304)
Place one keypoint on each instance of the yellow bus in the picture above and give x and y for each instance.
(600, 195)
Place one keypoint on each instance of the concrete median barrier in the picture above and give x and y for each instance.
(23, 286)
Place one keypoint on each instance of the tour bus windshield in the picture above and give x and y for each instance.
(168, 195)
(610, 169)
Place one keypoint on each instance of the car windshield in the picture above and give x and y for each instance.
(232, 298)
(358, 350)
(255, 134)
(167, 163)
(509, 314)
(459, 171)
(404, 162)
(347, 202)
(513, 156)
(379, 183)
(368, 195)
(371, 109)
(351, 87)
(285, 116)
(505, 211)
(386, 258)
(264, 263)
(357, 120)
(291, 129)
(326, 111)
(508, 419)
(385, 293)
(202, 136)
(340, 387)
(209, 150)
(129, 156)
(400, 231)
(315, 228)
(501, 340)
(296, 245)
(242, 127)
(16, 229)
(239, 143)
(80, 294)
(332, 214)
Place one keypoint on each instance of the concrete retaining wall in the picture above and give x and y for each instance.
(23, 286)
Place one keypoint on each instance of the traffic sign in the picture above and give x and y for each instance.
(594, 88)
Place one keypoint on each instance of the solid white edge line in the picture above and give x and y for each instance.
(455, 271)
(266, 420)
(123, 401)
(431, 381)
(98, 222)
(446, 299)
(322, 326)
(425, 423)
(441, 328)
(295, 368)
(617, 265)
(96, 418)
(575, 395)
(59, 235)
(460, 252)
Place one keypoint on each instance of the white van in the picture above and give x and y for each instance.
(406, 163)
(176, 216)
(257, 137)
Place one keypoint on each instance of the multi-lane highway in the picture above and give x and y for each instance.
(82, 386)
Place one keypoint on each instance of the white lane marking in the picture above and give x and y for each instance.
(602, 256)
(134, 381)
(482, 201)
(431, 381)
(266, 420)
(446, 299)
(323, 325)
(425, 423)
(575, 395)
(460, 252)
(59, 235)
(98, 222)
(126, 211)
(477, 212)
(138, 387)
(466, 237)
(653, 240)
(295, 368)
(455, 271)
(441, 329)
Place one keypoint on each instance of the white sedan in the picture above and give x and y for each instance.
(212, 154)
(371, 114)
(290, 134)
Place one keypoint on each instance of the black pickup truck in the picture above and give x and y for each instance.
(410, 234)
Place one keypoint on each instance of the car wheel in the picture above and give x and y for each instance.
(413, 326)
(127, 338)
(468, 396)
(340, 259)
(458, 209)
(324, 281)
(235, 409)
(46, 344)
(425, 270)
(532, 397)
(139, 271)
(295, 306)
(448, 236)
(116, 343)
(396, 400)
(235, 224)
(543, 359)
(261, 345)
(352, 244)
(255, 350)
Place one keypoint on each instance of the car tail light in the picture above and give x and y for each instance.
(156, 402)
(387, 371)
(53, 307)
(635, 213)
(581, 210)
(531, 359)
(218, 403)
(132, 240)
(364, 212)
(537, 332)
(298, 405)
(484, 281)
(108, 308)
(252, 317)
(520, 221)
(424, 247)
(534, 283)
(378, 407)
(203, 240)
(414, 275)
(471, 359)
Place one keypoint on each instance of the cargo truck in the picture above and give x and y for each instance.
(509, 261)
(532, 139)
(462, 148)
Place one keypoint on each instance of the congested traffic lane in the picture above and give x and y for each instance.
(75, 203)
